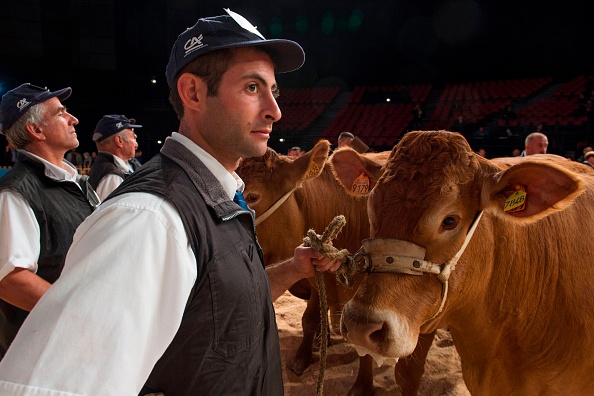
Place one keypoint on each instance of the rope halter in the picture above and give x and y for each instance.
(379, 255)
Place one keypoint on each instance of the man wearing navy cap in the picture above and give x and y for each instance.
(42, 200)
(116, 145)
(164, 288)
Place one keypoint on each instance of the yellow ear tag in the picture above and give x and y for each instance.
(516, 201)
(313, 170)
(361, 184)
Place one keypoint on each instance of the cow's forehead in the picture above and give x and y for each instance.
(435, 160)
(259, 168)
(426, 173)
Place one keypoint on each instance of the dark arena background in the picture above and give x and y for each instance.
(368, 63)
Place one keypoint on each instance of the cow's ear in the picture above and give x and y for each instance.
(357, 173)
(311, 163)
(532, 190)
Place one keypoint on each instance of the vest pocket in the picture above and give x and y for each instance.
(236, 286)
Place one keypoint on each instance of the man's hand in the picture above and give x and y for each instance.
(304, 264)
(307, 261)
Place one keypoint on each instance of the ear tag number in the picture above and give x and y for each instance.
(313, 170)
(517, 201)
(360, 185)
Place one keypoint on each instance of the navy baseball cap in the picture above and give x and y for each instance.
(229, 31)
(112, 124)
(17, 101)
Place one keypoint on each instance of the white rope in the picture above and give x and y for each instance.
(273, 208)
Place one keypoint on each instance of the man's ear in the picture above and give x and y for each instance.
(192, 90)
(118, 140)
(35, 131)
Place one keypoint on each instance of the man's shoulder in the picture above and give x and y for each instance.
(137, 208)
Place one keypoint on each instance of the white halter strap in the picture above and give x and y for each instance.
(273, 208)
(403, 257)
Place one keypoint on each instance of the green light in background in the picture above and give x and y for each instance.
(328, 22)
(301, 24)
(355, 20)
(276, 27)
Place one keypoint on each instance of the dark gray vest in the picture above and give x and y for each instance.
(227, 343)
(104, 165)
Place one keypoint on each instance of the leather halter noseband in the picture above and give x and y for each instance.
(379, 255)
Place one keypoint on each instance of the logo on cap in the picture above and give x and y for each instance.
(21, 104)
(193, 44)
(119, 125)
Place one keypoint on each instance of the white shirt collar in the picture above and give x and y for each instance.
(231, 182)
(52, 171)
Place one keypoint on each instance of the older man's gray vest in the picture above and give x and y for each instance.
(104, 165)
(227, 343)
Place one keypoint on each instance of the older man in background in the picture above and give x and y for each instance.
(42, 200)
(535, 143)
(116, 142)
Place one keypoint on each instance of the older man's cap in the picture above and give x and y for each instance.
(229, 31)
(345, 135)
(589, 154)
(17, 101)
(296, 148)
(112, 124)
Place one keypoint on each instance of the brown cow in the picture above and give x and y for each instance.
(518, 302)
(313, 198)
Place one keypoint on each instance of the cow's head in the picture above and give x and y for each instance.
(426, 198)
(270, 183)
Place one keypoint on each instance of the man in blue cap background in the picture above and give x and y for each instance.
(42, 200)
(164, 288)
(116, 145)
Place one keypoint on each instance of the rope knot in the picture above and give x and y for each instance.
(322, 244)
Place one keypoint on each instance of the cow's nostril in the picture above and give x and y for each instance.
(367, 334)
(378, 335)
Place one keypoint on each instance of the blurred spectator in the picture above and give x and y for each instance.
(481, 133)
(295, 151)
(589, 159)
(516, 152)
(345, 139)
(74, 157)
(482, 152)
(582, 157)
(535, 143)
(417, 122)
(461, 126)
(87, 159)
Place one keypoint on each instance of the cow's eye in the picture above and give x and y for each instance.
(251, 198)
(449, 222)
